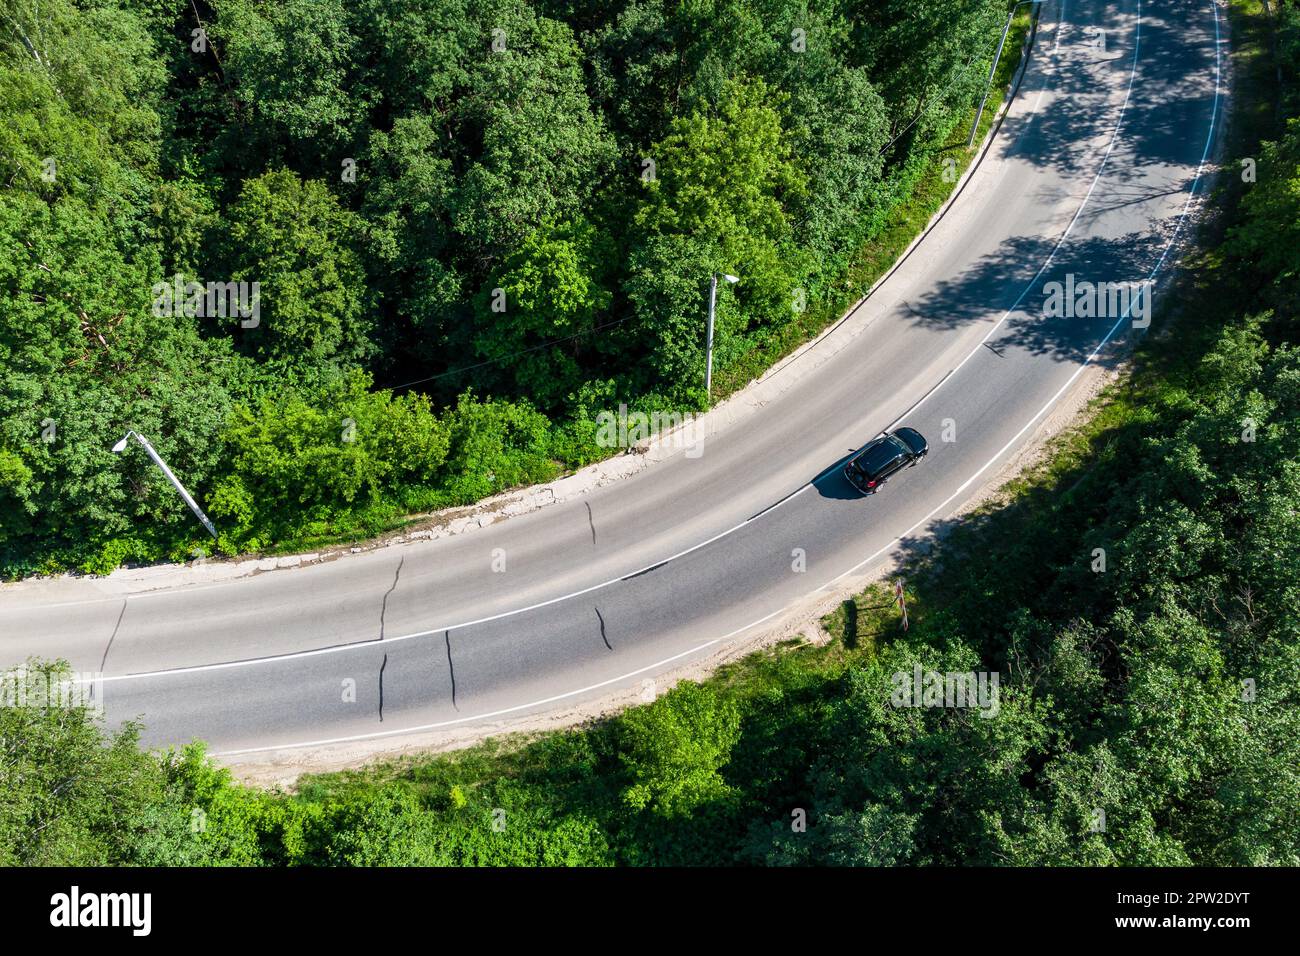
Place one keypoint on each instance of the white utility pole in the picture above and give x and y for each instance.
(713, 304)
(994, 68)
(157, 460)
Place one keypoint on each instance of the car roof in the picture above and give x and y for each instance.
(879, 454)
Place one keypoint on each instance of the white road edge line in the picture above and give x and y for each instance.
(339, 648)
(191, 589)
(1047, 264)
(668, 660)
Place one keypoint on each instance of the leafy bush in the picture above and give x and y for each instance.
(341, 456)
(674, 749)
(495, 445)
(380, 183)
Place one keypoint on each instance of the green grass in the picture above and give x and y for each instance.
(1090, 662)
(1163, 367)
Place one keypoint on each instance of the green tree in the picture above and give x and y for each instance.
(84, 358)
(293, 66)
(925, 56)
(717, 202)
(304, 463)
(1270, 235)
(102, 61)
(69, 794)
(295, 240)
(674, 749)
(543, 149)
(551, 289)
(495, 445)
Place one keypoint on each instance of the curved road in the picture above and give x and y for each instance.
(1093, 173)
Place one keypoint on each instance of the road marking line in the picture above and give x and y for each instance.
(185, 590)
(1105, 160)
(1209, 141)
(497, 713)
(355, 645)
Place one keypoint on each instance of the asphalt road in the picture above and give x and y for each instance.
(1092, 173)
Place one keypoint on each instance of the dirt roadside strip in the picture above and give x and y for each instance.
(800, 364)
(283, 767)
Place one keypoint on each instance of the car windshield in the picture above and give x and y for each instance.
(911, 438)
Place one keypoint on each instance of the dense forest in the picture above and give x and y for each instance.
(460, 230)
(1149, 714)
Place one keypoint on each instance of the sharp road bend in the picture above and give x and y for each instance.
(1093, 173)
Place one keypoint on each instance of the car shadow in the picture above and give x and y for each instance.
(831, 483)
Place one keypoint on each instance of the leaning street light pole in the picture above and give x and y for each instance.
(997, 57)
(157, 460)
(713, 305)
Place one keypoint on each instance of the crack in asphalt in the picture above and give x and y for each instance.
(591, 523)
(383, 610)
(108, 647)
(451, 668)
(602, 628)
(381, 687)
(927, 517)
(112, 637)
(637, 574)
(661, 564)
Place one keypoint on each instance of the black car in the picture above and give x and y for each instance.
(879, 459)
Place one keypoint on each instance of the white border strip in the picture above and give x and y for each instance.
(699, 647)
(339, 648)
